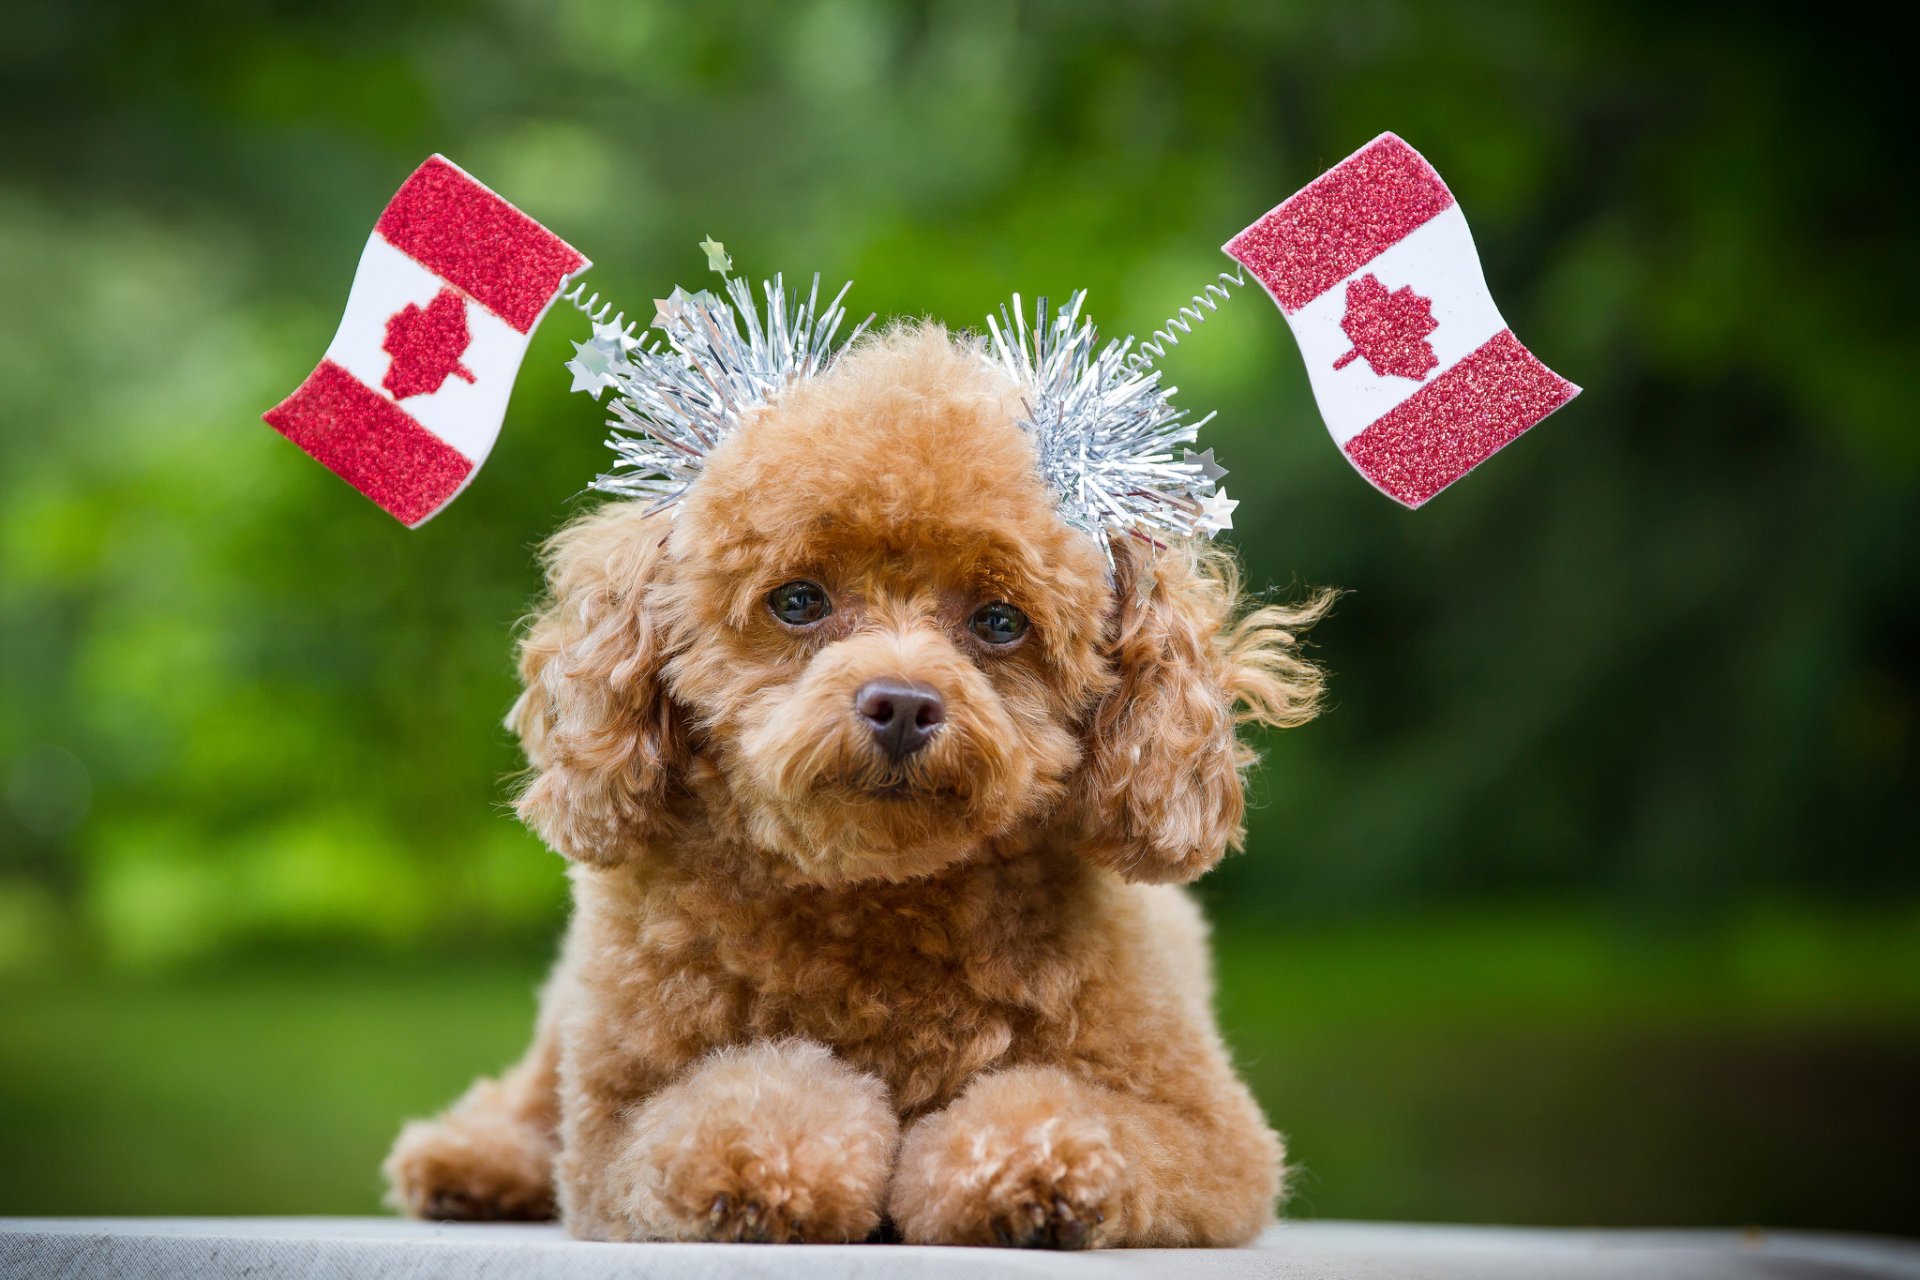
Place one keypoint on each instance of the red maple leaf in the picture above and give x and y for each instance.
(426, 345)
(1389, 328)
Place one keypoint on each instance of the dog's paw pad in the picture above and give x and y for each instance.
(1062, 1205)
(748, 1221)
(449, 1204)
(471, 1173)
(1059, 1225)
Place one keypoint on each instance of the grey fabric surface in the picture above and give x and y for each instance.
(379, 1248)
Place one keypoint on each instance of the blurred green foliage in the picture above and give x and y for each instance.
(1655, 659)
(1532, 1065)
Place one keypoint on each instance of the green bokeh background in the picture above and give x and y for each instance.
(1595, 897)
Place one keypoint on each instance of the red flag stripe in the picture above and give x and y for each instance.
(470, 237)
(1454, 423)
(1341, 221)
(371, 443)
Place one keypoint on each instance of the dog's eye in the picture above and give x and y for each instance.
(998, 623)
(799, 604)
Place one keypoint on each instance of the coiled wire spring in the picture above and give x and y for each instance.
(1182, 322)
(597, 311)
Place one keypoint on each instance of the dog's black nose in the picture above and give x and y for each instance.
(903, 716)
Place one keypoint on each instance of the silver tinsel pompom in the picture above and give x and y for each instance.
(1112, 446)
(677, 398)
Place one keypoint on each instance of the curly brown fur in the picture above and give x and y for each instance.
(810, 989)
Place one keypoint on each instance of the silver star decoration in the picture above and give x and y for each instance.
(594, 363)
(667, 310)
(1218, 514)
(717, 259)
(615, 336)
(1208, 467)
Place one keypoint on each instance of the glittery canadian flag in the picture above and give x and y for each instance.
(1416, 374)
(409, 398)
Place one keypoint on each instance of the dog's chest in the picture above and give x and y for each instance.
(923, 989)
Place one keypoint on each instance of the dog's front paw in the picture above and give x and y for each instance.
(1023, 1158)
(477, 1163)
(773, 1142)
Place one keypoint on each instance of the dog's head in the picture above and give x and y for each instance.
(867, 645)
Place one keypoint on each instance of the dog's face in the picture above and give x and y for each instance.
(866, 645)
(884, 637)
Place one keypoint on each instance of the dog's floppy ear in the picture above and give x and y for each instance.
(1159, 797)
(603, 739)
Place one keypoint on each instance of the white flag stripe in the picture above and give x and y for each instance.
(467, 415)
(1437, 259)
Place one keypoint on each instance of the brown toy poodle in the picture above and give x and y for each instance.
(876, 786)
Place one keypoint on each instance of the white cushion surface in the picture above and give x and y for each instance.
(376, 1248)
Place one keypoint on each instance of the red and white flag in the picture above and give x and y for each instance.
(1416, 374)
(409, 398)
